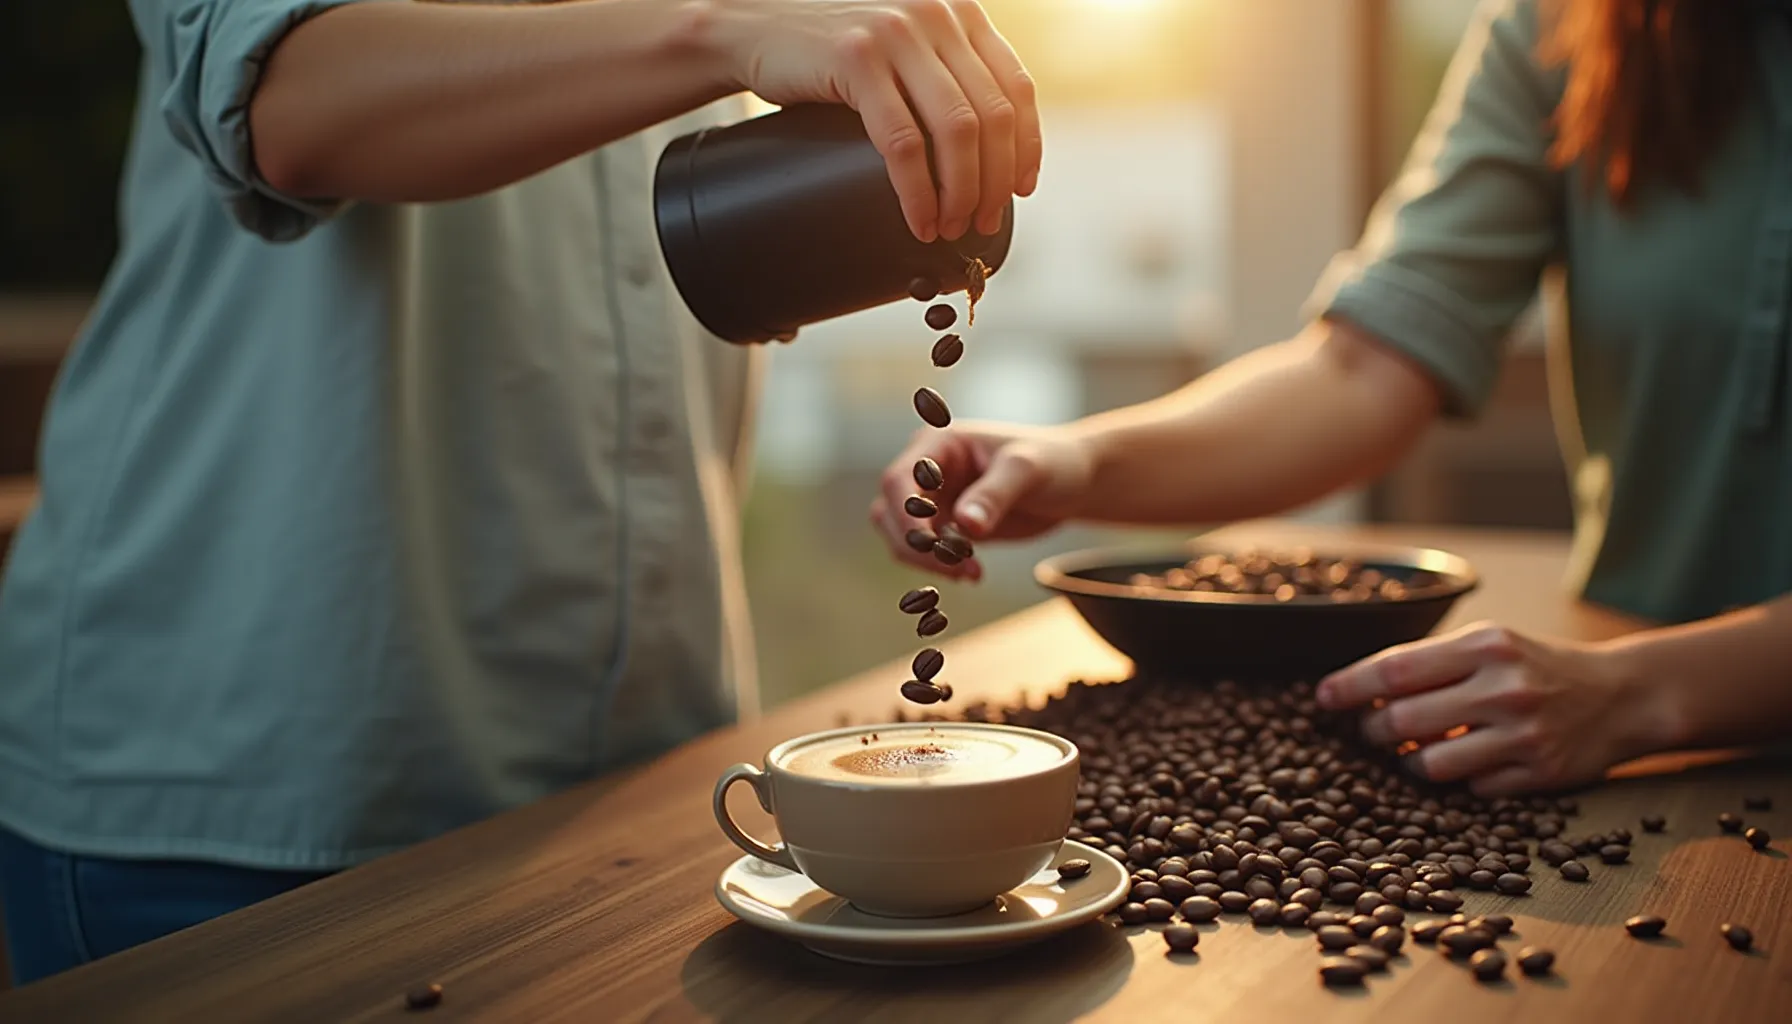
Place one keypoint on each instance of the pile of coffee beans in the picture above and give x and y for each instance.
(1297, 575)
(1230, 799)
(947, 543)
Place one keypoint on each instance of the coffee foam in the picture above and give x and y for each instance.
(922, 756)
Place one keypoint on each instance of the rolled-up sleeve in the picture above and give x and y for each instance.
(1454, 249)
(212, 53)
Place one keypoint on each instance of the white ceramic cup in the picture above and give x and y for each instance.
(926, 849)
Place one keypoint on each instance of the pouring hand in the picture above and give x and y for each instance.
(969, 90)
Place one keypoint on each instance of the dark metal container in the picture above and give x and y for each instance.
(789, 219)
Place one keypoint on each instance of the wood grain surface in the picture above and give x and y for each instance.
(597, 905)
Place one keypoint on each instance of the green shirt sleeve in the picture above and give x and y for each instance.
(215, 51)
(1454, 249)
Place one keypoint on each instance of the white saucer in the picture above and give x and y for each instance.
(787, 903)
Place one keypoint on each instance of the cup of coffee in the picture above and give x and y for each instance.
(925, 820)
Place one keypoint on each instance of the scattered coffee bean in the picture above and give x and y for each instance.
(1757, 803)
(423, 997)
(1176, 889)
(1199, 910)
(1234, 902)
(940, 316)
(1426, 932)
(923, 289)
(1645, 926)
(1461, 941)
(1370, 957)
(1076, 867)
(1534, 961)
(1389, 914)
(1345, 894)
(932, 623)
(1510, 884)
(1182, 937)
(1729, 822)
(1444, 902)
(1369, 902)
(928, 476)
(1264, 912)
(1144, 890)
(1654, 823)
(1738, 936)
(1757, 837)
(948, 351)
(1159, 909)
(920, 540)
(1363, 925)
(1341, 971)
(1482, 880)
(1132, 913)
(1613, 853)
(927, 664)
(919, 600)
(1295, 915)
(1574, 871)
(1488, 964)
(1498, 924)
(1323, 919)
(1388, 938)
(932, 408)
(919, 692)
(1336, 937)
(919, 507)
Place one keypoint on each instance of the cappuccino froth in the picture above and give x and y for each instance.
(923, 755)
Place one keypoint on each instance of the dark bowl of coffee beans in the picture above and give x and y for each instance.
(1201, 611)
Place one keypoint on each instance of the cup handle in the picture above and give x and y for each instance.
(779, 854)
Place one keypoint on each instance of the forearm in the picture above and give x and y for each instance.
(1269, 431)
(1719, 682)
(415, 102)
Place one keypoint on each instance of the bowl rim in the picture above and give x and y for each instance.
(1057, 572)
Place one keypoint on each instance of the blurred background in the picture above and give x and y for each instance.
(1204, 159)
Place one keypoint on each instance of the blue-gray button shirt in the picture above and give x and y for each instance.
(362, 522)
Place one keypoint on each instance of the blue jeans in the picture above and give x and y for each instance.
(64, 910)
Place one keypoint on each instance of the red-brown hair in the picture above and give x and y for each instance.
(1653, 87)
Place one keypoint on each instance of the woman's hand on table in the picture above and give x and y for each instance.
(1003, 482)
(1539, 713)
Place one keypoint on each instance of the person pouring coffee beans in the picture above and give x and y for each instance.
(1629, 156)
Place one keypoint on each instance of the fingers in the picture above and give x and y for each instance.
(892, 129)
(1418, 666)
(1014, 472)
(1477, 752)
(1508, 781)
(995, 130)
(1432, 713)
(948, 115)
(1017, 86)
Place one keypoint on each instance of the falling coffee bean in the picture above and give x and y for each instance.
(952, 550)
(940, 316)
(1757, 837)
(1654, 823)
(919, 540)
(932, 408)
(1182, 937)
(1534, 961)
(948, 351)
(1738, 936)
(928, 476)
(1073, 868)
(1488, 964)
(1645, 926)
(932, 623)
(423, 997)
(923, 289)
(1757, 803)
(1341, 971)
(1574, 871)
(926, 665)
(1199, 910)
(919, 600)
(1729, 822)
(919, 507)
(945, 690)
(919, 692)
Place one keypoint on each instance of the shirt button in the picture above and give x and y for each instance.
(639, 273)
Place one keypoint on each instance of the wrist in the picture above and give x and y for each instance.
(1657, 707)
(702, 32)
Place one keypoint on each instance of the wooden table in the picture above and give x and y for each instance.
(597, 905)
